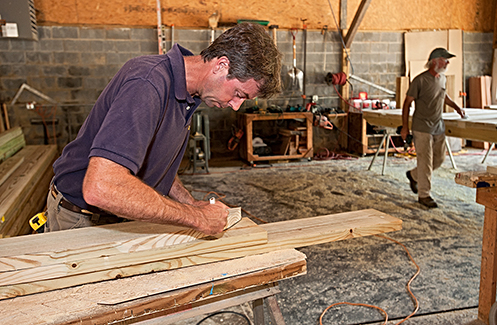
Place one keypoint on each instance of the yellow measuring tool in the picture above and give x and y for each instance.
(38, 221)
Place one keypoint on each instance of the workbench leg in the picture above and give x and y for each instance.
(488, 271)
(387, 145)
(450, 153)
(258, 308)
(488, 152)
(274, 310)
(377, 151)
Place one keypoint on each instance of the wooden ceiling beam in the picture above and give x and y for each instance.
(359, 15)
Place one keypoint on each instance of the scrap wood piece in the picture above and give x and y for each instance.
(280, 235)
(44, 266)
(476, 179)
(234, 216)
(82, 305)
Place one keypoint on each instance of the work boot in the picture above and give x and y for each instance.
(428, 202)
(413, 183)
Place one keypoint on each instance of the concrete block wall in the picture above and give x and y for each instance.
(73, 64)
(478, 49)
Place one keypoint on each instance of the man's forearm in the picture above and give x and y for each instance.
(451, 103)
(112, 188)
(179, 193)
(405, 112)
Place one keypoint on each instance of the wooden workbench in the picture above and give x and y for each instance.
(204, 288)
(52, 277)
(305, 150)
(481, 124)
(486, 194)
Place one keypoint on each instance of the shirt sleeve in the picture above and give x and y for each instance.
(129, 126)
(414, 88)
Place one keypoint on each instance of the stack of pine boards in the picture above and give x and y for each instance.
(49, 261)
(25, 174)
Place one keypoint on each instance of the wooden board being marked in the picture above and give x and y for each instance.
(38, 267)
(280, 235)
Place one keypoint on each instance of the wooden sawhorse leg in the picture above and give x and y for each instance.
(449, 150)
(273, 308)
(488, 152)
(385, 142)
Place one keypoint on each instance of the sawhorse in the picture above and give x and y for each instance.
(385, 142)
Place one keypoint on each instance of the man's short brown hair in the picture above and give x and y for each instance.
(252, 55)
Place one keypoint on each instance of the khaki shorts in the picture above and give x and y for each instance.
(59, 218)
(63, 215)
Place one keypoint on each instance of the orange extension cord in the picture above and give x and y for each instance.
(376, 307)
(220, 197)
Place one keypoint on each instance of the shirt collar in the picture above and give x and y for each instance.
(176, 54)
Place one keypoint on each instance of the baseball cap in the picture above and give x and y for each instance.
(440, 52)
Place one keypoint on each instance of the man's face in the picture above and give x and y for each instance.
(221, 92)
(441, 66)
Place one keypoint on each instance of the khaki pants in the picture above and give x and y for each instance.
(59, 218)
(430, 155)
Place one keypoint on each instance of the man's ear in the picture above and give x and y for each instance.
(222, 64)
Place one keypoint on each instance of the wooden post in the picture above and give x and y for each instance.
(346, 86)
(6, 116)
(493, 92)
(343, 14)
(487, 196)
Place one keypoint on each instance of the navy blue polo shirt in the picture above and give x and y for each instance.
(140, 121)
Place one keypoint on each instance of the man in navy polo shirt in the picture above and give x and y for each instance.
(123, 164)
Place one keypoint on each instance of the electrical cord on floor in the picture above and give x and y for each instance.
(224, 312)
(376, 307)
(325, 154)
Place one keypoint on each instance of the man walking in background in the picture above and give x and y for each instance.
(428, 91)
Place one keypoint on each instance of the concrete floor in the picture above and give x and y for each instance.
(444, 242)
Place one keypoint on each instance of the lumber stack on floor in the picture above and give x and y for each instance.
(63, 259)
(11, 141)
(24, 181)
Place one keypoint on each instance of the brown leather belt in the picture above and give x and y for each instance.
(97, 218)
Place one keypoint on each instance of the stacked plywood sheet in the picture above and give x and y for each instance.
(24, 181)
(49, 261)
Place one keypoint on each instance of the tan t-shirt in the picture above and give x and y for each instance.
(429, 98)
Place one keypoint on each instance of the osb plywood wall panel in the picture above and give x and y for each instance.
(468, 15)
